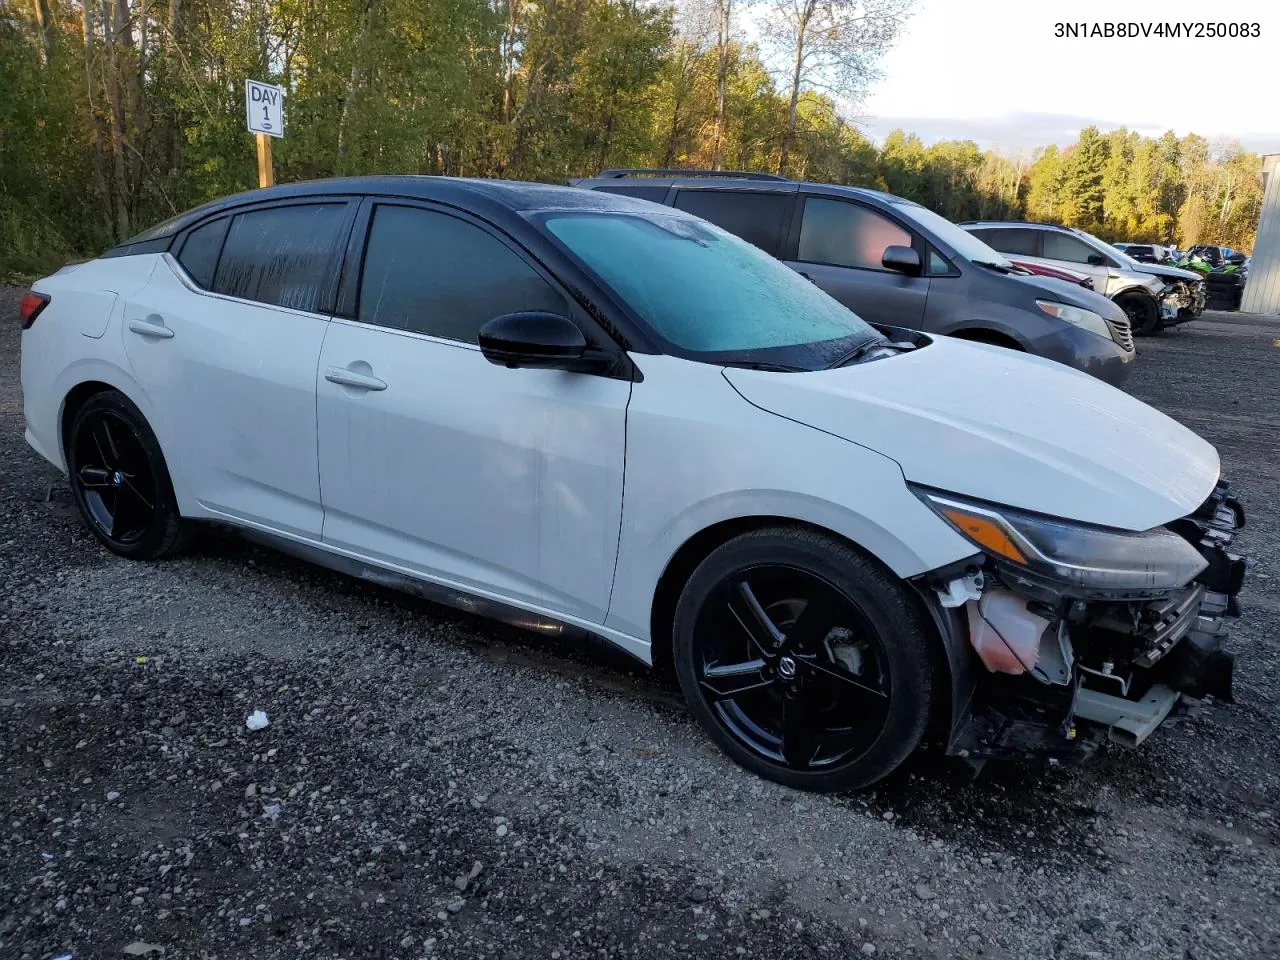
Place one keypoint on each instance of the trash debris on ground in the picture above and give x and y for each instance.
(257, 720)
(140, 949)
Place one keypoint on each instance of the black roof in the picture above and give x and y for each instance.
(493, 197)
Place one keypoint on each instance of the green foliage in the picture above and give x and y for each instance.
(104, 131)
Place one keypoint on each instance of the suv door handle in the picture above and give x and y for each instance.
(351, 378)
(152, 326)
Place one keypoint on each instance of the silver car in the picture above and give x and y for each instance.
(1153, 296)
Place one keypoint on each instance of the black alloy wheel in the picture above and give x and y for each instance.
(119, 480)
(1142, 311)
(806, 661)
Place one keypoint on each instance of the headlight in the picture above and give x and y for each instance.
(1084, 319)
(1078, 557)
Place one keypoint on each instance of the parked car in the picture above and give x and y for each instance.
(895, 262)
(1057, 273)
(843, 539)
(1153, 296)
(1147, 252)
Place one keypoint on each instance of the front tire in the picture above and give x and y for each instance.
(804, 660)
(1142, 311)
(119, 479)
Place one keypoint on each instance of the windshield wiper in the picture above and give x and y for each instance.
(763, 365)
(858, 351)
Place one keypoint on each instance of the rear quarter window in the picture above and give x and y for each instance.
(200, 250)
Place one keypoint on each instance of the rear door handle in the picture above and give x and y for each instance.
(351, 378)
(153, 326)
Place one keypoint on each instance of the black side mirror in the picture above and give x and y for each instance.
(1097, 260)
(532, 338)
(903, 259)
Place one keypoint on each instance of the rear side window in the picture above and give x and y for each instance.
(656, 193)
(1016, 241)
(435, 274)
(755, 217)
(199, 253)
(1062, 246)
(281, 255)
(847, 234)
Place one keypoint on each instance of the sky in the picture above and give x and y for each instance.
(993, 71)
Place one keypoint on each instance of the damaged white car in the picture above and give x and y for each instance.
(580, 411)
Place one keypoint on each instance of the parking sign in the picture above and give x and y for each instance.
(264, 108)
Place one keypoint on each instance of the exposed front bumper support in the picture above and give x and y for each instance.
(1128, 721)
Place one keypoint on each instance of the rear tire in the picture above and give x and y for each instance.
(807, 663)
(119, 479)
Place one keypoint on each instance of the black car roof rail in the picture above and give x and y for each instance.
(1015, 223)
(618, 173)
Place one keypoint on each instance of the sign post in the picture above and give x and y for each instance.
(264, 116)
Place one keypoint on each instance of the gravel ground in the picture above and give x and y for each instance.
(433, 785)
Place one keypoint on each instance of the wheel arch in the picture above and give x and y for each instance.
(952, 660)
(996, 338)
(87, 379)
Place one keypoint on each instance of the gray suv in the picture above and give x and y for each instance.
(896, 263)
(1153, 296)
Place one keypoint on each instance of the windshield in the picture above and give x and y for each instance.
(707, 292)
(1108, 250)
(961, 241)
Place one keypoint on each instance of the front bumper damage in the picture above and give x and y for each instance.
(1182, 300)
(1054, 679)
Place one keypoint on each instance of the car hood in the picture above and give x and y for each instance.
(1168, 273)
(1005, 427)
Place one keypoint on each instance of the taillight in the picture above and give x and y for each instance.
(29, 307)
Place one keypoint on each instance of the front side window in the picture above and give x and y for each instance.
(847, 234)
(436, 274)
(1063, 246)
(281, 255)
(704, 290)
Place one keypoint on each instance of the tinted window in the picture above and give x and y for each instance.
(847, 234)
(435, 274)
(755, 217)
(937, 263)
(644, 191)
(199, 255)
(703, 289)
(1061, 246)
(1015, 241)
(280, 255)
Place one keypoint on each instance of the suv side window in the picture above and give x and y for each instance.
(1063, 246)
(757, 218)
(846, 234)
(1015, 240)
(281, 256)
(433, 273)
(657, 193)
(200, 251)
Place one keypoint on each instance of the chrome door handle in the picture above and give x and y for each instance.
(350, 378)
(152, 326)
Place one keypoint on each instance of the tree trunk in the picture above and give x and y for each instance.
(359, 72)
(44, 28)
(724, 11)
(797, 73)
(509, 59)
(95, 126)
(120, 183)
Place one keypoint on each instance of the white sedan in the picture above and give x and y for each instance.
(574, 410)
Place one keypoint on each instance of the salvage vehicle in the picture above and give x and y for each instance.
(847, 540)
(1153, 296)
(1057, 273)
(892, 261)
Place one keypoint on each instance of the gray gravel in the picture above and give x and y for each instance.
(433, 785)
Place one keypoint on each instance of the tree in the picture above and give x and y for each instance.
(831, 46)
